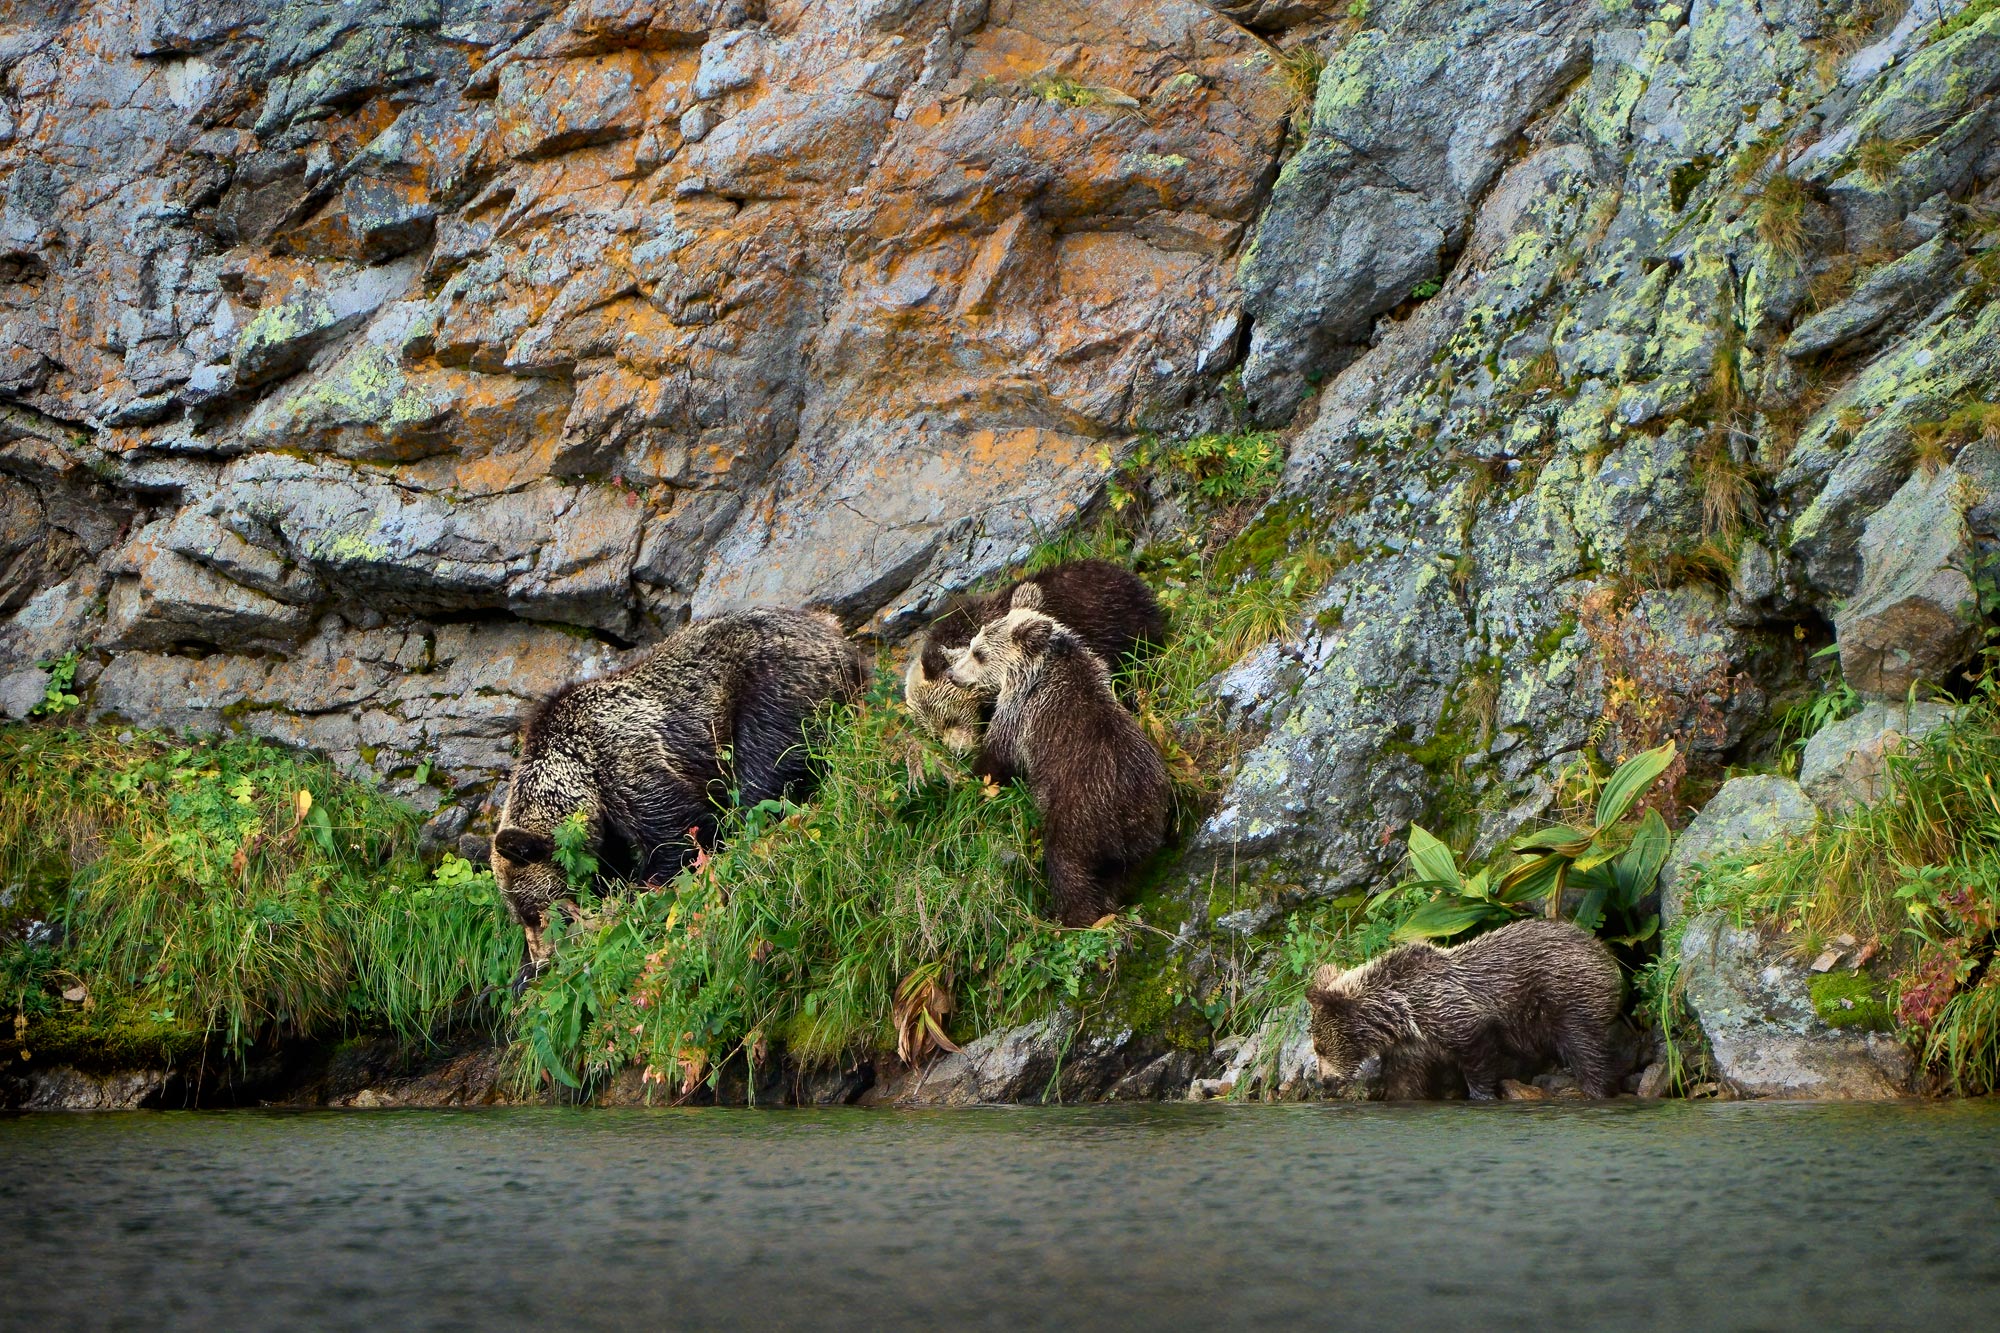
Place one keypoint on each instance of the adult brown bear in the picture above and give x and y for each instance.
(1101, 787)
(649, 754)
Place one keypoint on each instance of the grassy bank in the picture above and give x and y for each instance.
(212, 894)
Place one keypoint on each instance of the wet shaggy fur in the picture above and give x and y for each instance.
(1495, 1006)
(1101, 787)
(1108, 608)
(647, 753)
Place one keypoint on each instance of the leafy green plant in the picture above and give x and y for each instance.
(1612, 867)
(1229, 469)
(57, 695)
(1834, 701)
(1426, 289)
(573, 854)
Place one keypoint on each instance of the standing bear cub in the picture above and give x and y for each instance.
(648, 753)
(1101, 787)
(1487, 1009)
(1108, 608)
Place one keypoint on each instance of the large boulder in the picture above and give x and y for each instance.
(1846, 762)
(1748, 812)
(1916, 616)
(1752, 999)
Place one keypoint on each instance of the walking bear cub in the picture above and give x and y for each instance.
(1107, 607)
(1101, 787)
(647, 753)
(1519, 996)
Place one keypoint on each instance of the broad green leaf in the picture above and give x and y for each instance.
(1632, 778)
(1432, 860)
(1560, 839)
(1601, 849)
(1446, 917)
(1597, 877)
(1639, 936)
(1478, 886)
(1638, 868)
(1530, 880)
(1590, 912)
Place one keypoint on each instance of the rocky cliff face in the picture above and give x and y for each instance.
(1702, 385)
(371, 365)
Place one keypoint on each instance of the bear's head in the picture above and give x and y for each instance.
(946, 710)
(530, 881)
(949, 709)
(1344, 1034)
(1003, 651)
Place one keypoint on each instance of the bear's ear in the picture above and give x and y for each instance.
(1032, 636)
(1027, 597)
(1324, 992)
(522, 847)
(935, 662)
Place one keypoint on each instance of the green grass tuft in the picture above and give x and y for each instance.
(225, 892)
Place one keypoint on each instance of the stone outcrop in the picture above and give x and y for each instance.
(1915, 618)
(1747, 813)
(1763, 1035)
(337, 331)
(1847, 762)
(1518, 477)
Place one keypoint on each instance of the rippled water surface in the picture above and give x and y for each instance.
(1627, 1216)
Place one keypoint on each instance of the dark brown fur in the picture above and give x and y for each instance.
(648, 753)
(1109, 608)
(1502, 1002)
(1099, 783)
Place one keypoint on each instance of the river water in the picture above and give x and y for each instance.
(1626, 1215)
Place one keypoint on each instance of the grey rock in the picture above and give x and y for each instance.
(1276, 1062)
(1751, 999)
(1915, 617)
(1838, 477)
(1047, 1060)
(21, 692)
(280, 338)
(1271, 15)
(1379, 200)
(1747, 813)
(1895, 290)
(1846, 762)
(66, 1089)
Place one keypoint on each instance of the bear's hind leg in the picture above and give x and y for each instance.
(768, 744)
(1482, 1068)
(1080, 898)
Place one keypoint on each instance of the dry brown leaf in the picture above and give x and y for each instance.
(923, 1002)
(76, 994)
